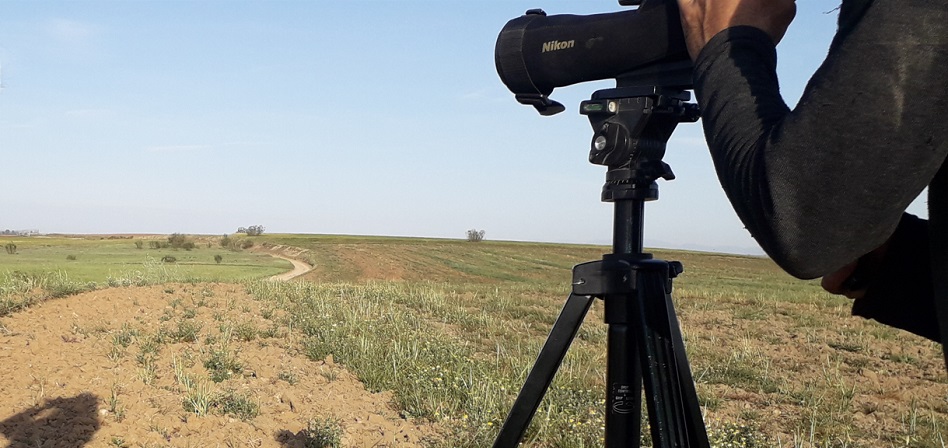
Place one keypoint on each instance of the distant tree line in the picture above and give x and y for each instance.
(252, 230)
(175, 241)
(9, 232)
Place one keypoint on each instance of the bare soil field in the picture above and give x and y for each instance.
(72, 377)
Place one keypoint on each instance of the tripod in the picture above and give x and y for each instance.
(632, 126)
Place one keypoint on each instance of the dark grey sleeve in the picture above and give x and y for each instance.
(822, 184)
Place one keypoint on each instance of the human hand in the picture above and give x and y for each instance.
(702, 19)
(852, 279)
(843, 282)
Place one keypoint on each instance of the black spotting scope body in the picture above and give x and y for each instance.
(536, 53)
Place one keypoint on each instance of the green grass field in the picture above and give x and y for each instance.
(96, 259)
(451, 327)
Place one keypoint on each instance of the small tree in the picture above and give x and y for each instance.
(241, 230)
(475, 236)
(255, 230)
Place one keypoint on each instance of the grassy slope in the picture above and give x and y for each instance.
(777, 360)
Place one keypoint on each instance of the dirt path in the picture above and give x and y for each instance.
(299, 268)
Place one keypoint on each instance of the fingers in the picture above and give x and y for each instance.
(692, 23)
(703, 19)
(840, 281)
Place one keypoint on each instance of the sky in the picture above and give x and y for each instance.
(351, 117)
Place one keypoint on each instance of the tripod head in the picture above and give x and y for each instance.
(631, 126)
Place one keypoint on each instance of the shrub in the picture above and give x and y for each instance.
(71, 257)
(186, 331)
(245, 331)
(287, 376)
(177, 239)
(168, 259)
(322, 433)
(218, 258)
(139, 244)
(222, 364)
(180, 241)
(475, 236)
(11, 248)
(235, 404)
(225, 241)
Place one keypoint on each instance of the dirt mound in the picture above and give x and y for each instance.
(137, 366)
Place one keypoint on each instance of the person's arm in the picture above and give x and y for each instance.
(825, 183)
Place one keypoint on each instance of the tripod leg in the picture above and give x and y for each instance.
(695, 424)
(540, 377)
(623, 382)
(674, 412)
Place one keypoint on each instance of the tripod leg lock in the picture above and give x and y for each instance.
(617, 276)
(598, 278)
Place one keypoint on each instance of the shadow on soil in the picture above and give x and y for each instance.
(60, 421)
(289, 439)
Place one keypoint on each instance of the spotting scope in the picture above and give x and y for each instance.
(536, 52)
